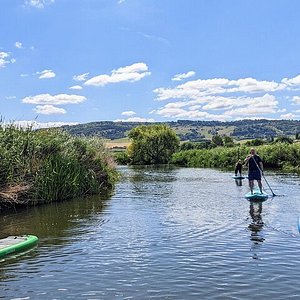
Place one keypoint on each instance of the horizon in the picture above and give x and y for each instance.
(144, 61)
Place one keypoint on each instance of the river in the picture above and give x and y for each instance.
(163, 233)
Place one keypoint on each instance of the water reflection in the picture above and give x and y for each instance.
(238, 182)
(256, 227)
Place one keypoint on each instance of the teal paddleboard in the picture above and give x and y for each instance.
(13, 244)
(256, 196)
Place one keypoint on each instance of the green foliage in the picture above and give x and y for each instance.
(196, 145)
(228, 141)
(153, 144)
(279, 155)
(121, 157)
(52, 164)
(283, 139)
(254, 143)
(217, 140)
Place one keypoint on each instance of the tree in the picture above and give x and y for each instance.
(217, 140)
(228, 141)
(152, 144)
(284, 139)
(255, 142)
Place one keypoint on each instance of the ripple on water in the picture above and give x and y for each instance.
(166, 233)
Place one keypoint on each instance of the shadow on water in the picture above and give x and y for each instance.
(256, 227)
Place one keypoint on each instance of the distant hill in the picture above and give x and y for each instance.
(196, 130)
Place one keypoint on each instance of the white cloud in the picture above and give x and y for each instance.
(132, 73)
(128, 113)
(295, 81)
(46, 74)
(10, 97)
(81, 77)
(288, 116)
(179, 77)
(296, 99)
(60, 99)
(37, 125)
(180, 113)
(5, 59)
(38, 3)
(121, 1)
(231, 107)
(135, 119)
(49, 110)
(205, 87)
(24, 75)
(18, 45)
(75, 87)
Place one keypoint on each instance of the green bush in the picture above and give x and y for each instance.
(152, 144)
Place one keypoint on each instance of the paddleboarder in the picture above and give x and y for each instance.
(255, 169)
(238, 168)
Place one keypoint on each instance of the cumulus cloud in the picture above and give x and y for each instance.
(60, 99)
(296, 99)
(128, 113)
(181, 113)
(135, 119)
(132, 73)
(205, 87)
(49, 110)
(230, 107)
(81, 77)
(295, 81)
(46, 74)
(5, 59)
(38, 3)
(179, 77)
(18, 45)
(75, 87)
(38, 125)
(288, 116)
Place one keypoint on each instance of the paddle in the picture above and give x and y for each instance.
(262, 174)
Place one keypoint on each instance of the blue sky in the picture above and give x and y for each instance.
(77, 61)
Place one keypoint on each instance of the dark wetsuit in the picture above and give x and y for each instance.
(254, 171)
(238, 168)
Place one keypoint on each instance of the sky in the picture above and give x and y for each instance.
(79, 61)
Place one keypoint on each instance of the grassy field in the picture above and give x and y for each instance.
(118, 143)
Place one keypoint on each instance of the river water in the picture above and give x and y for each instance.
(164, 233)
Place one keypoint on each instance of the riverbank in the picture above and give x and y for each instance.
(51, 165)
(278, 156)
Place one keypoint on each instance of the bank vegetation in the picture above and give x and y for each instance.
(50, 165)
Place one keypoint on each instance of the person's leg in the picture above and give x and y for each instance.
(251, 185)
(260, 185)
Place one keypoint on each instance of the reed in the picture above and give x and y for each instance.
(52, 165)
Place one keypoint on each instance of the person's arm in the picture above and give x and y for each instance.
(261, 166)
(246, 160)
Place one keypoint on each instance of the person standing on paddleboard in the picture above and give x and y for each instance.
(255, 169)
(238, 168)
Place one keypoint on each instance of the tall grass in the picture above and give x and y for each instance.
(52, 165)
(279, 155)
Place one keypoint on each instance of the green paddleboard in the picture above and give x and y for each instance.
(13, 244)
